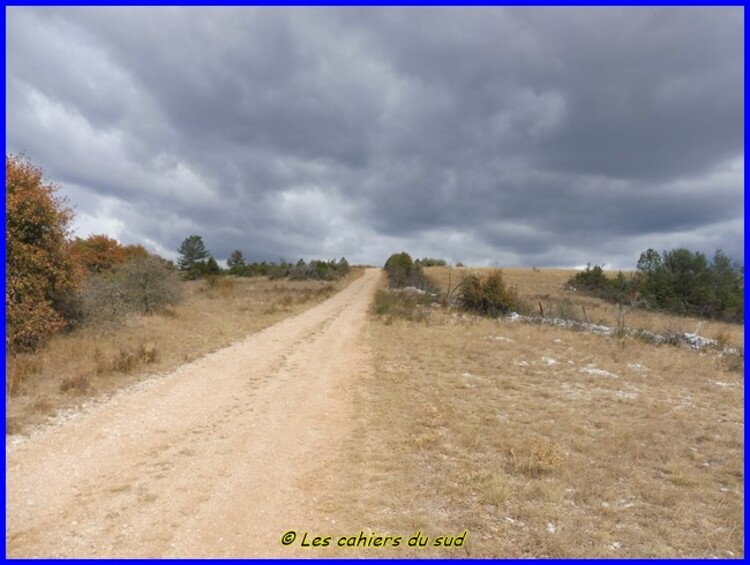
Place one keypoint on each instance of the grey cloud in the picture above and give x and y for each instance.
(519, 135)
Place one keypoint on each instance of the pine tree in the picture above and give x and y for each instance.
(236, 261)
(192, 253)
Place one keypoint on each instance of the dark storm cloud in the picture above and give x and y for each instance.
(544, 136)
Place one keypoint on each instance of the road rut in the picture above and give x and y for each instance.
(206, 461)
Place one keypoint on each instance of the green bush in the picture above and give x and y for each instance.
(590, 279)
(430, 262)
(489, 296)
(403, 272)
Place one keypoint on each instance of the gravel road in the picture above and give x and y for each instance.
(214, 459)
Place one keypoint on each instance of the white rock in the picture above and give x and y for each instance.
(598, 372)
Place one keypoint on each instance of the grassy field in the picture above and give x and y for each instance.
(547, 442)
(72, 369)
(548, 288)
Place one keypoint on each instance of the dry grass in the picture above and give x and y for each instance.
(548, 288)
(545, 442)
(74, 368)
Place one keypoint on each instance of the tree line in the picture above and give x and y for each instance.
(55, 282)
(680, 281)
(195, 261)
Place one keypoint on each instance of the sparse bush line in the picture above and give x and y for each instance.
(690, 340)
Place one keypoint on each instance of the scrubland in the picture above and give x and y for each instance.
(90, 363)
(537, 440)
(544, 441)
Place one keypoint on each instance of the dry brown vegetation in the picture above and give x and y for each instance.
(74, 369)
(547, 442)
(548, 287)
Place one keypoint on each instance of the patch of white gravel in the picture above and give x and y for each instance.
(723, 384)
(593, 370)
(499, 338)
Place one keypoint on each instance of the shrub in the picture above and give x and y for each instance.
(40, 273)
(147, 352)
(142, 285)
(149, 285)
(79, 383)
(19, 369)
(236, 263)
(218, 286)
(538, 457)
(127, 360)
(590, 279)
(403, 272)
(430, 262)
(489, 296)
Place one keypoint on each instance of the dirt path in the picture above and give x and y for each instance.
(215, 459)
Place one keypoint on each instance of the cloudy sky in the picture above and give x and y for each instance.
(493, 136)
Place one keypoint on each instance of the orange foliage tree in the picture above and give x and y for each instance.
(100, 253)
(39, 270)
(97, 253)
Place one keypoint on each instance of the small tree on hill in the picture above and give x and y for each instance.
(236, 262)
(212, 267)
(193, 256)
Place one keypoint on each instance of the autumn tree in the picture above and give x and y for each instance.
(98, 253)
(135, 251)
(40, 273)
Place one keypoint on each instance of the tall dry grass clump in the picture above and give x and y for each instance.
(391, 305)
